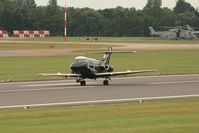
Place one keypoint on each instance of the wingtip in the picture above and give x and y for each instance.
(40, 74)
(155, 70)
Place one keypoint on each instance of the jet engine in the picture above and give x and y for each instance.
(108, 68)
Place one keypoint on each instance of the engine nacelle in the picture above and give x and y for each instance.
(107, 67)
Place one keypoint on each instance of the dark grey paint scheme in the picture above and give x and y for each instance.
(87, 68)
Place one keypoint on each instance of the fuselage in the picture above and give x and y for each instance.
(88, 67)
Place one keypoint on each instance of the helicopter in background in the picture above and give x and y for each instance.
(176, 33)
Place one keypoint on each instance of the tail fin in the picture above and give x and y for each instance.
(189, 28)
(151, 30)
(107, 56)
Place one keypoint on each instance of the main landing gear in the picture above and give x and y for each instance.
(106, 82)
(83, 83)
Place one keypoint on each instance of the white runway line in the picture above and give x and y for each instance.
(99, 101)
(136, 77)
(174, 82)
(58, 84)
(158, 76)
(44, 89)
(36, 82)
(43, 85)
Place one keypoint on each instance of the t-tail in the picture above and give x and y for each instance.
(108, 53)
(107, 56)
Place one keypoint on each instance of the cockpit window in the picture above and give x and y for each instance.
(80, 60)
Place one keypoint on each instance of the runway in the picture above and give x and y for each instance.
(67, 92)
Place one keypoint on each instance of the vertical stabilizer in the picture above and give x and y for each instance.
(189, 28)
(151, 30)
(107, 56)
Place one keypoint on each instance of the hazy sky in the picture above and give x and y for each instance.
(101, 4)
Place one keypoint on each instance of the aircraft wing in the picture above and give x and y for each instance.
(109, 74)
(60, 75)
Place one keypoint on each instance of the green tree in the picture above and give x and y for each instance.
(182, 6)
(53, 3)
(54, 18)
(87, 22)
(153, 9)
(7, 15)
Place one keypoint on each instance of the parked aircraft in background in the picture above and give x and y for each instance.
(163, 34)
(88, 68)
(175, 33)
(193, 31)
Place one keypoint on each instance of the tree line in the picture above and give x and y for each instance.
(119, 21)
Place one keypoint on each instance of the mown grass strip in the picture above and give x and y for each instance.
(166, 61)
(111, 40)
(151, 116)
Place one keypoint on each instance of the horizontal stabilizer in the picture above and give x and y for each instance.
(102, 52)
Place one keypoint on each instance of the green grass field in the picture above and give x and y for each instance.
(173, 116)
(166, 61)
(30, 46)
(112, 40)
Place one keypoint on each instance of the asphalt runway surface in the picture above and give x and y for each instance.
(67, 92)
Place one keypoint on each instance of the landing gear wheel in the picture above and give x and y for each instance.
(83, 83)
(77, 80)
(105, 82)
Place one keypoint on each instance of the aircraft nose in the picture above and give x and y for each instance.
(78, 65)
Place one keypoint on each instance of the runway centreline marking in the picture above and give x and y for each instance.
(154, 83)
(99, 101)
(46, 89)
(43, 85)
(45, 81)
(158, 76)
(174, 82)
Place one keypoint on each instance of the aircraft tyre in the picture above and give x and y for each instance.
(83, 83)
(77, 80)
(105, 82)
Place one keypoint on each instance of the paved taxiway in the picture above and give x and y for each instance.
(60, 92)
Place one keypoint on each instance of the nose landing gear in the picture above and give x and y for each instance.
(105, 82)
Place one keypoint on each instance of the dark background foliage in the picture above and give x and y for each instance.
(119, 21)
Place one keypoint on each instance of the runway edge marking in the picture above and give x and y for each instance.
(98, 101)
(135, 77)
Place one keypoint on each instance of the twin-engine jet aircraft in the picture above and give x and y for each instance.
(88, 68)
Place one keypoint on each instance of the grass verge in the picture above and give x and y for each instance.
(172, 116)
(166, 61)
(111, 40)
